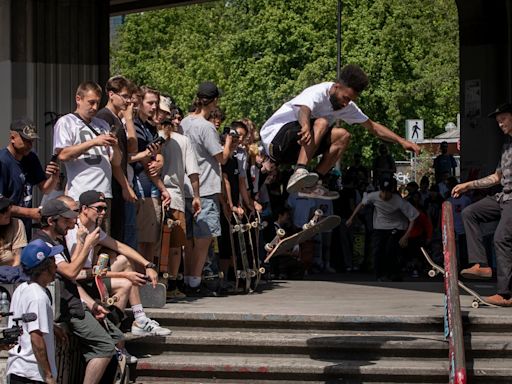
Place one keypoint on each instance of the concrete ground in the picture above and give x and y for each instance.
(340, 296)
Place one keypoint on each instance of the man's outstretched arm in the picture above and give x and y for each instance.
(386, 134)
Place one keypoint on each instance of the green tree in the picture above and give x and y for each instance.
(263, 52)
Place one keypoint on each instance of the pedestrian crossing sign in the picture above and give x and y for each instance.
(414, 130)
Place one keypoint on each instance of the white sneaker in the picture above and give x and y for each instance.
(319, 192)
(300, 179)
(149, 328)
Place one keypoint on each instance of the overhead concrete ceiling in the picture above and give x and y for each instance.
(121, 7)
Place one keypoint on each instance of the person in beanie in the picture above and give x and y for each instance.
(33, 359)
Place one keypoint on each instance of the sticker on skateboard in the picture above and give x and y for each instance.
(318, 224)
(436, 269)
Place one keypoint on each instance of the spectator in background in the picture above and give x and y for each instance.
(357, 171)
(444, 163)
(176, 117)
(393, 220)
(12, 235)
(421, 236)
(383, 165)
(20, 170)
(424, 186)
(216, 117)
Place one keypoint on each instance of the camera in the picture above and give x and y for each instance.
(11, 335)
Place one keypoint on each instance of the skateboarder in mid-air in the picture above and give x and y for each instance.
(303, 128)
(492, 208)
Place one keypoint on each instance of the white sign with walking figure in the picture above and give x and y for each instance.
(414, 130)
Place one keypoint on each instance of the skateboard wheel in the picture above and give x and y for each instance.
(305, 226)
(221, 275)
(236, 228)
(177, 223)
(432, 273)
(243, 275)
(281, 232)
(261, 270)
(179, 276)
(269, 247)
(475, 304)
(165, 275)
(111, 300)
(252, 273)
(319, 212)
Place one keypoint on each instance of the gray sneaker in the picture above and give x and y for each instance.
(300, 179)
(319, 192)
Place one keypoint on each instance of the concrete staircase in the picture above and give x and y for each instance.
(250, 348)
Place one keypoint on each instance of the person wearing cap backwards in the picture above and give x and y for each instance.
(77, 309)
(93, 208)
(492, 208)
(119, 91)
(393, 221)
(20, 170)
(303, 128)
(201, 229)
(33, 359)
(12, 235)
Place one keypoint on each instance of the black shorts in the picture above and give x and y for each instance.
(285, 148)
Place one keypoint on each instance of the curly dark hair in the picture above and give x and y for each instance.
(354, 77)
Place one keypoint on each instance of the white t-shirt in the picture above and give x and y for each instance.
(71, 244)
(316, 98)
(179, 161)
(392, 214)
(92, 169)
(31, 298)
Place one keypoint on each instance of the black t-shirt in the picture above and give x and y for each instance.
(70, 303)
(232, 172)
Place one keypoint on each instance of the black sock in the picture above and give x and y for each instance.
(300, 166)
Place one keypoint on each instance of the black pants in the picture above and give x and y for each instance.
(15, 379)
(484, 211)
(386, 252)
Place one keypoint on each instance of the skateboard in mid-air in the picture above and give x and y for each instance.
(477, 299)
(318, 223)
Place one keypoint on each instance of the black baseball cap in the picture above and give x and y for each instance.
(91, 197)
(502, 108)
(26, 128)
(57, 208)
(386, 185)
(4, 202)
(208, 90)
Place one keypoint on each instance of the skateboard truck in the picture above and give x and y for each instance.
(173, 223)
(318, 214)
(279, 235)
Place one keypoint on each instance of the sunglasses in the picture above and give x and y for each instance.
(100, 209)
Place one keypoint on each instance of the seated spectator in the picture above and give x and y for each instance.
(12, 235)
(93, 207)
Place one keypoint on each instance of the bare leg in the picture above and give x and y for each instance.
(122, 264)
(121, 288)
(188, 257)
(307, 151)
(198, 255)
(340, 138)
(95, 369)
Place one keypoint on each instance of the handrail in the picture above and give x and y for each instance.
(453, 319)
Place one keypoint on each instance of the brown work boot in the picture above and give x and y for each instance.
(477, 272)
(498, 300)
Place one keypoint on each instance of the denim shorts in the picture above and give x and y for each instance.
(207, 223)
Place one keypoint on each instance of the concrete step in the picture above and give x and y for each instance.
(339, 344)
(260, 368)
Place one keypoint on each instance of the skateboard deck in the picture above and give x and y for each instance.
(316, 225)
(168, 224)
(477, 299)
(254, 238)
(153, 297)
(243, 270)
(105, 298)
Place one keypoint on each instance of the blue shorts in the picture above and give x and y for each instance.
(207, 223)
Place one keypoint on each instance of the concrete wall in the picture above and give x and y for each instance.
(47, 48)
(485, 80)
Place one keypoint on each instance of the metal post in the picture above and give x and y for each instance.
(338, 40)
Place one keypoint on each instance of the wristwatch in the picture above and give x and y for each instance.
(150, 265)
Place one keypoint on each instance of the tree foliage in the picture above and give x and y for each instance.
(263, 52)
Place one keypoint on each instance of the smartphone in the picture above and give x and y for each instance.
(54, 158)
(159, 140)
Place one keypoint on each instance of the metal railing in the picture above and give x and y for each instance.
(452, 319)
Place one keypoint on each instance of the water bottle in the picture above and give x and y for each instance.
(4, 308)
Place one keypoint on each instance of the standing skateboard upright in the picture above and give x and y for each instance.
(168, 225)
(318, 223)
(99, 272)
(253, 235)
(477, 299)
(243, 269)
(153, 297)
